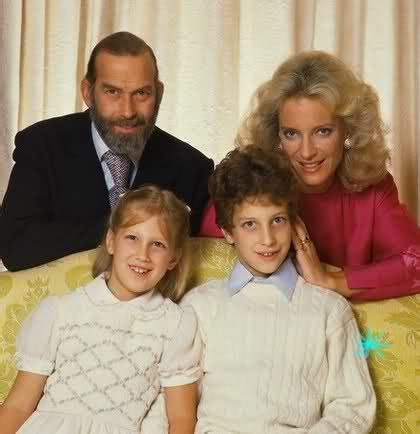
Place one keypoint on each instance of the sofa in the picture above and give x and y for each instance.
(393, 324)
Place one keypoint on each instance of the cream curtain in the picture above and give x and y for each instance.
(212, 55)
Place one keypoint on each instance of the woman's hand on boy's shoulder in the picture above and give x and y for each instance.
(310, 267)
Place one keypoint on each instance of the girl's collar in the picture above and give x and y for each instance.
(100, 295)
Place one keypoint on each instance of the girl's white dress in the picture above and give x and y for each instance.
(106, 360)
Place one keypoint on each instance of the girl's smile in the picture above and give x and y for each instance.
(139, 270)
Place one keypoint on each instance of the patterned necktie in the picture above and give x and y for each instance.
(119, 166)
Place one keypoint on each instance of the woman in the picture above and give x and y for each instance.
(327, 122)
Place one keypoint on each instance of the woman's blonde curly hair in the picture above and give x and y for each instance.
(319, 75)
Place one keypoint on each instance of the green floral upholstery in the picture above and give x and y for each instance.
(396, 375)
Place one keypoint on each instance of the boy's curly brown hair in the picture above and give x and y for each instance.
(252, 173)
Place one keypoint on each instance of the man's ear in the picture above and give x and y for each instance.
(109, 241)
(160, 87)
(86, 89)
(228, 236)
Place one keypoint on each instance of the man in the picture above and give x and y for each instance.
(70, 170)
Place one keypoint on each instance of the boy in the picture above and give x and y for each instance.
(279, 355)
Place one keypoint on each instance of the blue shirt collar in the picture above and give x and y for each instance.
(100, 145)
(284, 278)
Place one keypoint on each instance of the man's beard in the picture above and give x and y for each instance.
(131, 145)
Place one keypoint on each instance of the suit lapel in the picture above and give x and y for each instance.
(83, 159)
(156, 165)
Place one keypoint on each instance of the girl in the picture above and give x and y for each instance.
(93, 361)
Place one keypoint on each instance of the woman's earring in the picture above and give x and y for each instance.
(347, 143)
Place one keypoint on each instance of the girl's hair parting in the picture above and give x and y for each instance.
(135, 207)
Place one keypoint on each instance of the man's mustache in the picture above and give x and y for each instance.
(136, 121)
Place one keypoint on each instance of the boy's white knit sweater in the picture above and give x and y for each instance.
(277, 366)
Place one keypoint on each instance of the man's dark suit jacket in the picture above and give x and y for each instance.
(57, 201)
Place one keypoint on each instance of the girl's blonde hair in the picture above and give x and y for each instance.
(319, 75)
(135, 207)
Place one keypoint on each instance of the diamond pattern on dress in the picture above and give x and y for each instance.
(116, 374)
